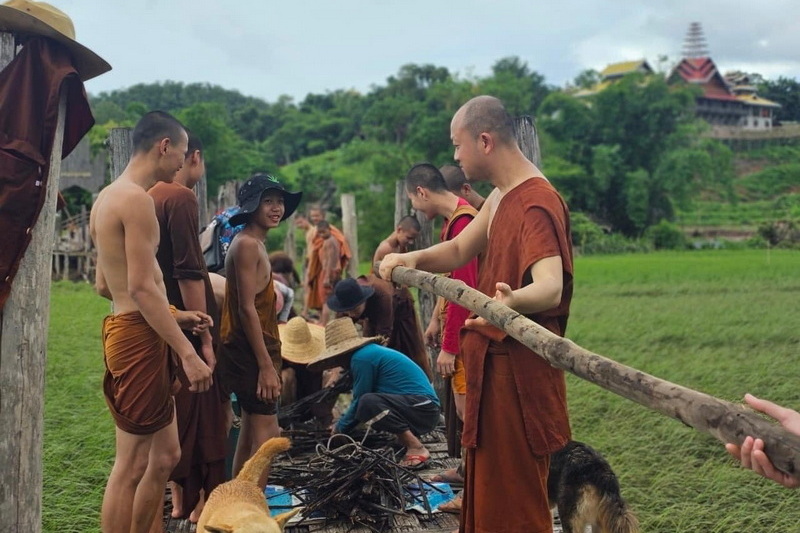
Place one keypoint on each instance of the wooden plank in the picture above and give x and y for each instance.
(23, 343)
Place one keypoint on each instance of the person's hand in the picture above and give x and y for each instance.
(751, 453)
(197, 372)
(207, 351)
(331, 376)
(195, 321)
(446, 364)
(504, 295)
(268, 388)
(432, 331)
(394, 260)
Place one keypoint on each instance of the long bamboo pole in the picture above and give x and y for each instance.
(726, 421)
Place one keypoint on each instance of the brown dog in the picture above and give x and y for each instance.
(239, 506)
(585, 490)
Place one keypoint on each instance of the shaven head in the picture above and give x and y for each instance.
(153, 127)
(409, 224)
(454, 178)
(195, 144)
(486, 114)
(427, 176)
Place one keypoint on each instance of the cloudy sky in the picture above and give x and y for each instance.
(266, 48)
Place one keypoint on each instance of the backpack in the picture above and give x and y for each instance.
(216, 237)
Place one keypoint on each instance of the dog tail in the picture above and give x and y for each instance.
(255, 466)
(615, 516)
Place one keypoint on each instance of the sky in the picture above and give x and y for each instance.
(266, 49)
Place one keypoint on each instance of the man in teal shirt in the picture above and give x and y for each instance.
(383, 380)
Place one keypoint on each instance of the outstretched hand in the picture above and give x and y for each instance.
(504, 295)
(751, 453)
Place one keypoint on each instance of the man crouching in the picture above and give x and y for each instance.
(383, 380)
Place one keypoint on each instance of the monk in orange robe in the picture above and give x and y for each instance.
(516, 404)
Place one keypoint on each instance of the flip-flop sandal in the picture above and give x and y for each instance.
(422, 459)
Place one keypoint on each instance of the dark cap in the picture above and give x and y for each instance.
(249, 197)
(347, 294)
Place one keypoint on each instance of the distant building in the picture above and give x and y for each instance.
(724, 102)
(613, 73)
(730, 101)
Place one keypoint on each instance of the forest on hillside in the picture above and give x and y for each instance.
(627, 160)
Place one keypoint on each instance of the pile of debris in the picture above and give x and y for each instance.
(354, 483)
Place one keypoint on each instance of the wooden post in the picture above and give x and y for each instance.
(24, 323)
(400, 202)
(525, 132)
(289, 242)
(350, 228)
(120, 141)
(427, 300)
(201, 191)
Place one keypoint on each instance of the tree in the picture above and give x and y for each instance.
(785, 91)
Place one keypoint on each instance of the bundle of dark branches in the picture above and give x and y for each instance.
(301, 409)
(354, 483)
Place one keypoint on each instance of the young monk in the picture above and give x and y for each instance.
(250, 356)
(402, 237)
(429, 195)
(326, 267)
(457, 184)
(312, 268)
(202, 418)
(138, 382)
(516, 409)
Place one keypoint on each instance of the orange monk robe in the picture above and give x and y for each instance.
(314, 281)
(516, 408)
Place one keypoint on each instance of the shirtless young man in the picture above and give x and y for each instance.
(516, 409)
(405, 233)
(250, 355)
(138, 378)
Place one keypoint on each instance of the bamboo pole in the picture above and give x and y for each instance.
(24, 322)
(725, 421)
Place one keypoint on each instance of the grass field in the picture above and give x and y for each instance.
(723, 322)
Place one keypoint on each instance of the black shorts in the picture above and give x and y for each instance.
(252, 404)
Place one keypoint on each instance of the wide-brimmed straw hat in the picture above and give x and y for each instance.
(341, 340)
(30, 18)
(301, 342)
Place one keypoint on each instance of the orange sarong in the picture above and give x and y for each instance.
(139, 374)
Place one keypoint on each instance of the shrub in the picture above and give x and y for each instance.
(666, 236)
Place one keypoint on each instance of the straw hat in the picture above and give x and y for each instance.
(301, 342)
(341, 339)
(30, 18)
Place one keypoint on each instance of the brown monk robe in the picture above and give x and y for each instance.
(516, 410)
(137, 360)
(202, 418)
(390, 312)
(237, 363)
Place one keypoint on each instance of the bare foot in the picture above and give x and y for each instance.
(198, 509)
(177, 500)
(448, 476)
